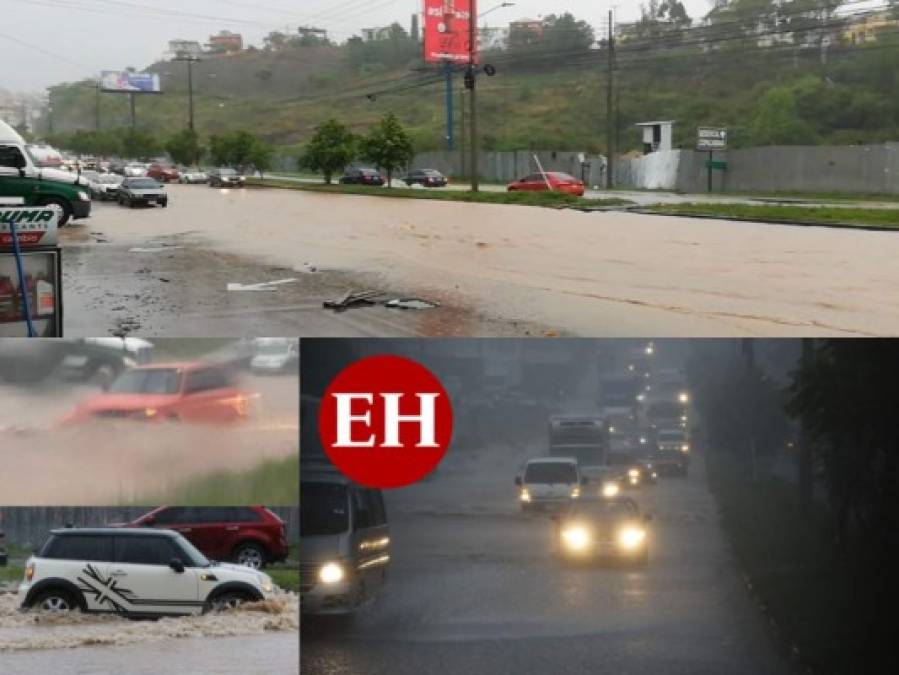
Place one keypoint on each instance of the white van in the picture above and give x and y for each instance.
(22, 176)
(549, 482)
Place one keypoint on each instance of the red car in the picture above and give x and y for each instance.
(162, 172)
(246, 535)
(551, 180)
(189, 392)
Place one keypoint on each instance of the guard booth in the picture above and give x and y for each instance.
(657, 136)
(30, 271)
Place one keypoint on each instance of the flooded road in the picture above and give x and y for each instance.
(496, 270)
(115, 461)
(261, 638)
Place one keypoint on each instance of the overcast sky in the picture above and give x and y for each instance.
(62, 40)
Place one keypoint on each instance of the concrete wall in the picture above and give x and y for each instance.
(850, 168)
(28, 526)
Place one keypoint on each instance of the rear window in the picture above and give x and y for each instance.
(567, 178)
(90, 548)
(550, 472)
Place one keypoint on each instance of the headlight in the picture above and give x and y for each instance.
(576, 538)
(83, 196)
(633, 473)
(575, 492)
(267, 587)
(524, 495)
(610, 489)
(685, 448)
(330, 573)
(683, 397)
(631, 537)
(29, 572)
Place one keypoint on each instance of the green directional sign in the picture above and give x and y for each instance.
(716, 165)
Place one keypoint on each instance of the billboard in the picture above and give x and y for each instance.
(446, 30)
(123, 82)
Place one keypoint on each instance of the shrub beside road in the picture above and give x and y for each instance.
(847, 216)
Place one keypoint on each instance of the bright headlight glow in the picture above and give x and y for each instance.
(524, 495)
(685, 448)
(683, 397)
(330, 573)
(267, 587)
(633, 473)
(575, 492)
(610, 490)
(576, 538)
(631, 537)
(83, 196)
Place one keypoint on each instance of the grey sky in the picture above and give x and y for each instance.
(83, 37)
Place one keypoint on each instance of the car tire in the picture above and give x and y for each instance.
(164, 203)
(64, 204)
(250, 555)
(227, 601)
(55, 600)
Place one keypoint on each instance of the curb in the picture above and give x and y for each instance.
(769, 221)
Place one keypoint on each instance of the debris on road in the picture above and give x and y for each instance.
(266, 286)
(158, 249)
(371, 297)
(411, 303)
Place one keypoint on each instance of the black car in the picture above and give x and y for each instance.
(426, 178)
(225, 177)
(603, 529)
(135, 191)
(362, 176)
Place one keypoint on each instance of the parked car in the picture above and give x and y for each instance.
(134, 573)
(275, 355)
(93, 181)
(362, 176)
(4, 556)
(602, 529)
(345, 551)
(225, 177)
(162, 172)
(109, 186)
(190, 176)
(554, 181)
(134, 170)
(100, 360)
(137, 191)
(189, 392)
(426, 178)
(245, 535)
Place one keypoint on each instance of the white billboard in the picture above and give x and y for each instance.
(124, 82)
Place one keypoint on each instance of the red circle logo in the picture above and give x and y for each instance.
(385, 421)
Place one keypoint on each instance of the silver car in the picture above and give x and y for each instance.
(344, 542)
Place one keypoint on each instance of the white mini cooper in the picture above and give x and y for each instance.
(134, 572)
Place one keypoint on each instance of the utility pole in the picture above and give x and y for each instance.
(97, 107)
(610, 125)
(190, 85)
(471, 83)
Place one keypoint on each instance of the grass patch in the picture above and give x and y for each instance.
(12, 573)
(812, 215)
(275, 482)
(555, 200)
(792, 567)
(287, 578)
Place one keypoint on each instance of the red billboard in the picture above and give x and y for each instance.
(446, 27)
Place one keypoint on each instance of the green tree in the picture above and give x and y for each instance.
(184, 147)
(388, 146)
(777, 122)
(232, 149)
(330, 149)
(261, 156)
(139, 144)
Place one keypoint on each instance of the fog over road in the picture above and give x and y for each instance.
(474, 589)
(496, 270)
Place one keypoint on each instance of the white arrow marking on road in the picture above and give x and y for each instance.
(153, 250)
(264, 286)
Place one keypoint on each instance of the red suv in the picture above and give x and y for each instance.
(247, 535)
(162, 172)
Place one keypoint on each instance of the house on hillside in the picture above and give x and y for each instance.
(864, 30)
(225, 42)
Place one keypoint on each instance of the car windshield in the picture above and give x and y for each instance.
(607, 508)
(272, 348)
(149, 381)
(195, 558)
(550, 472)
(110, 179)
(325, 509)
(143, 184)
(672, 436)
(227, 172)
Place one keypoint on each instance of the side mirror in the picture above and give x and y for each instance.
(518, 480)
(177, 565)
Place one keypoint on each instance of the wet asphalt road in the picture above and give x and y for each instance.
(475, 589)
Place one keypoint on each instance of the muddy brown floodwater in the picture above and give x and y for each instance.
(258, 638)
(494, 269)
(112, 462)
